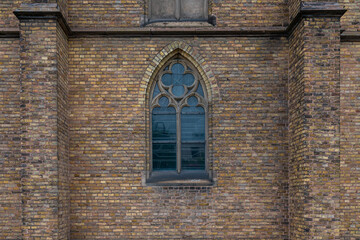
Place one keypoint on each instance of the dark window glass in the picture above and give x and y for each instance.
(164, 156)
(193, 156)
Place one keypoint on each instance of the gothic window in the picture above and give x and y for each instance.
(178, 10)
(178, 109)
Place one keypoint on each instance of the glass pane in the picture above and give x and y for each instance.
(163, 9)
(192, 110)
(178, 90)
(167, 79)
(192, 9)
(188, 79)
(163, 101)
(164, 110)
(192, 101)
(193, 156)
(164, 127)
(192, 127)
(178, 68)
(164, 156)
(156, 91)
(200, 90)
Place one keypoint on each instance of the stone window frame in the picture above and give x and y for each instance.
(208, 18)
(180, 177)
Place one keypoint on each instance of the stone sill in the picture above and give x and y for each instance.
(185, 178)
(199, 24)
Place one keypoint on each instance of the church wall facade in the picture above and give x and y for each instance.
(283, 121)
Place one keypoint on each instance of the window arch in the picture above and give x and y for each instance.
(179, 118)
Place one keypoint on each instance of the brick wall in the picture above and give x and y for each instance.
(251, 13)
(106, 13)
(10, 199)
(294, 8)
(350, 136)
(107, 143)
(63, 5)
(63, 132)
(351, 20)
(7, 18)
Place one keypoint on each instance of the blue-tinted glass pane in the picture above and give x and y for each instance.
(178, 81)
(163, 101)
(166, 68)
(167, 79)
(156, 91)
(193, 156)
(164, 156)
(188, 79)
(192, 127)
(200, 90)
(192, 101)
(164, 110)
(164, 127)
(178, 68)
(178, 90)
(192, 110)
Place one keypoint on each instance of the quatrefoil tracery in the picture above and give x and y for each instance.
(178, 82)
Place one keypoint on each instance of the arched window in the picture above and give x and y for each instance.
(178, 111)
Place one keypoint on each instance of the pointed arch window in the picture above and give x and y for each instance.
(179, 110)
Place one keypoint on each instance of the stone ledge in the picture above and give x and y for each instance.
(350, 36)
(9, 33)
(321, 9)
(185, 178)
(33, 10)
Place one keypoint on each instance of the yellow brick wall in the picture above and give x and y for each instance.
(350, 139)
(108, 139)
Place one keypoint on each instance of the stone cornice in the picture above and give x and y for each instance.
(316, 9)
(42, 11)
(9, 33)
(348, 36)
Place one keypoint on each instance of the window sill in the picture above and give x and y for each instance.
(185, 178)
(181, 24)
